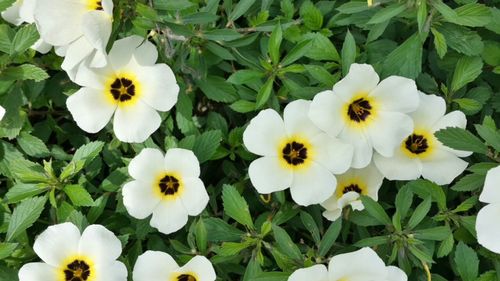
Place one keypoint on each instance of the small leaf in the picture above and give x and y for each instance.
(22, 191)
(461, 139)
(243, 106)
(348, 52)
(419, 213)
(78, 195)
(264, 93)
(310, 225)
(25, 37)
(235, 206)
(245, 76)
(274, 44)
(286, 244)
(490, 135)
(23, 72)
(439, 43)
(469, 183)
(467, 262)
(375, 210)
(240, 9)
(466, 71)
(296, 52)
(329, 238)
(387, 13)
(24, 215)
(405, 60)
(217, 89)
(206, 144)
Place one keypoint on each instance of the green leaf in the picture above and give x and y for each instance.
(372, 241)
(469, 183)
(23, 72)
(468, 104)
(405, 60)
(240, 9)
(25, 37)
(264, 93)
(217, 89)
(24, 215)
(439, 43)
(321, 48)
(243, 106)
(310, 225)
(436, 233)
(275, 43)
(424, 188)
(404, 199)
(473, 14)
(286, 244)
(235, 206)
(312, 16)
(206, 144)
(421, 15)
(467, 262)
(245, 76)
(490, 135)
(329, 238)
(32, 145)
(462, 39)
(461, 139)
(222, 35)
(296, 52)
(22, 191)
(78, 195)
(387, 13)
(7, 249)
(466, 71)
(375, 210)
(321, 74)
(200, 232)
(228, 249)
(219, 230)
(445, 247)
(348, 53)
(419, 213)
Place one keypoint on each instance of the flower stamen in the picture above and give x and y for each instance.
(294, 153)
(78, 270)
(359, 110)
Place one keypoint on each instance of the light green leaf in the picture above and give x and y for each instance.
(206, 144)
(243, 106)
(375, 210)
(329, 237)
(235, 206)
(296, 52)
(32, 145)
(348, 53)
(240, 9)
(286, 244)
(4, 4)
(466, 71)
(387, 13)
(22, 191)
(420, 213)
(461, 139)
(439, 43)
(310, 225)
(24, 215)
(405, 60)
(217, 89)
(275, 43)
(78, 195)
(264, 93)
(25, 37)
(23, 72)
(467, 262)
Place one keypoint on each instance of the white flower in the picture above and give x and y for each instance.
(167, 186)
(68, 255)
(368, 114)
(350, 185)
(296, 154)
(487, 226)
(160, 266)
(2, 112)
(361, 265)
(421, 153)
(131, 86)
(22, 11)
(82, 28)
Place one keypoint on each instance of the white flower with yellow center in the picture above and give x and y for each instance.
(341, 268)
(131, 86)
(487, 227)
(368, 114)
(79, 29)
(350, 185)
(167, 186)
(68, 255)
(421, 153)
(160, 266)
(22, 11)
(296, 154)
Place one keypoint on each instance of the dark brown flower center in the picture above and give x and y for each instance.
(122, 89)
(186, 277)
(359, 110)
(352, 187)
(78, 270)
(169, 185)
(294, 153)
(416, 144)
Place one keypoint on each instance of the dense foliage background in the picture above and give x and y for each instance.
(231, 59)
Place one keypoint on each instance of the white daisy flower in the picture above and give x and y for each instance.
(296, 154)
(81, 27)
(350, 185)
(68, 255)
(368, 114)
(421, 153)
(160, 266)
(487, 227)
(341, 268)
(22, 11)
(131, 86)
(167, 186)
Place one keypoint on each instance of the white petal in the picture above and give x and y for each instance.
(169, 216)
(61, 50)
(2, 112)
(373, 268)
(27, 10)
(268, 175)
(111, 271)
(333, 214)
(390, 130)
(396, 274)
(59, 26)
(326, 112)
(332, 153)
(488, 228)
(396, 93)
(201, 266)
(159, 87)
(317, 272)
(121, 53)
(264, 133)
(95, 78)
(182, 161)
(296, 120)
(90, 109)
(107, 6)
(431, 108)
(41, 46)
(372, 178)
(98, 58)
(195, 197)
(139, 199)
(96, 28)
(348, 199)
(76, 53)
(442, 167)
(399, 166)
(361, 78)
(363, 150)
(135, 123)
(312, 185)
(100, 244)
(57, 242)
(154, 266)
(11, 14)
(37, 271)
(147, 165)
(491, 189)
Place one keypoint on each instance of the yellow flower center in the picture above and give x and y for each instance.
(77, 268)
(186, 277)
(295, 152)
(352, 185)
(94, 5)
(168, 186)
(360, 111)
(123, 89)
(419, 144)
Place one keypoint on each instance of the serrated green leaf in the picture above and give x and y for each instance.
(243, 106)
(32, 145)
(439, 43)
(78, 195)
(206, 144)
(466, 71)
(24, 215)
(25, 37)
(296, 52)
(405, 60)
(461, 139)
(469, 183)
(23, 72)
(490, 135)
(387, 13)
(467, 262)
(235, 206)
(217, 89)
(22, 191)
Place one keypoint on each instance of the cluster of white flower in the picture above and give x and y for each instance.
(343, 143)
